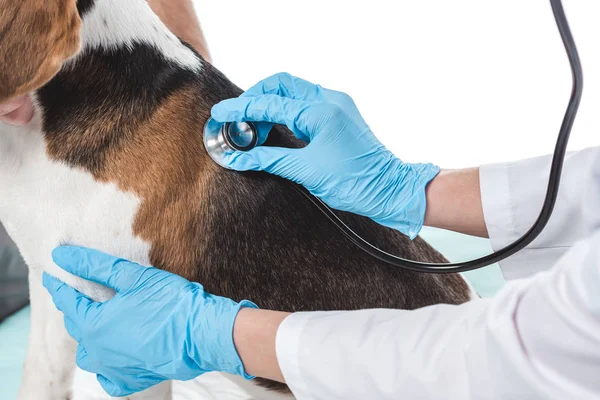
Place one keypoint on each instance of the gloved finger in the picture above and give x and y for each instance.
(111, 388)
(303, 118)
(69, 301)
(73, 329)
(82, 359)
(286, 85)
(278, 161)
(95, 266)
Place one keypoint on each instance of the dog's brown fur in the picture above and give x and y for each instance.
(161, 156)
(36, 37)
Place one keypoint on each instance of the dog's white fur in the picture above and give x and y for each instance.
(118, 23)
(44, 203)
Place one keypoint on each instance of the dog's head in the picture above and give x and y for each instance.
(36, 38)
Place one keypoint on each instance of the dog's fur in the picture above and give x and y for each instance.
(114, 160)
(47, 32)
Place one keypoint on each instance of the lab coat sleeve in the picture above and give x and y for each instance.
(513, 194)
(538, 339)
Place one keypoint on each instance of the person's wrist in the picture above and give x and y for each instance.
(454, 202)
(255, 336)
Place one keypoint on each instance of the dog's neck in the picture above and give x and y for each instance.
(119, 24)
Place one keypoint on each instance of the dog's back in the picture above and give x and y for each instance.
(115, 161)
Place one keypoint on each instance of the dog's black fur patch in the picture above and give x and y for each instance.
(130, 83)
(84, 6)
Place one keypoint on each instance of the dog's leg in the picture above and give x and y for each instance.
(50, 360)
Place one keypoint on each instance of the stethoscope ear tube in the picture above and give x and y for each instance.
(551, 193)
(223, 139)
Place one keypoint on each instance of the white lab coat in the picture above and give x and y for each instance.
(537, 339)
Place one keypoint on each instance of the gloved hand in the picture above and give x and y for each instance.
(158, 327)
(344, 164)
(18, 111)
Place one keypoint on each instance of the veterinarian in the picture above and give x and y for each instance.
(539, 338)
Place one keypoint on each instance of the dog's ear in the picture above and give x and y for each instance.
(36, 37)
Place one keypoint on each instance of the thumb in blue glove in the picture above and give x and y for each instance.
(158, 327)
(344, 164)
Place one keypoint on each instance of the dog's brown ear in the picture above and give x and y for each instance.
(36, 37)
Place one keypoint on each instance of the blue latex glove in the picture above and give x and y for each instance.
(344, 164)
(158, 327)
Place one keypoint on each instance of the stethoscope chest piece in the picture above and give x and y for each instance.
(221, 140)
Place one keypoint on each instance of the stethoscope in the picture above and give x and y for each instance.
(223, 139)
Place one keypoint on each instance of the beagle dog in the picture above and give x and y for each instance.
(114, 160)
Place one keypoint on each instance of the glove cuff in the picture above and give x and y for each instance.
(238, 366)
(210, 342)
(408, 215)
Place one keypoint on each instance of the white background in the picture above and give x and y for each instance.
(454, 82)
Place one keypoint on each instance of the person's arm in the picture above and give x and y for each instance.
(538, 339)
(513, 194)
(512, 197)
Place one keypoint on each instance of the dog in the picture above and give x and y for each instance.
(114, 160)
